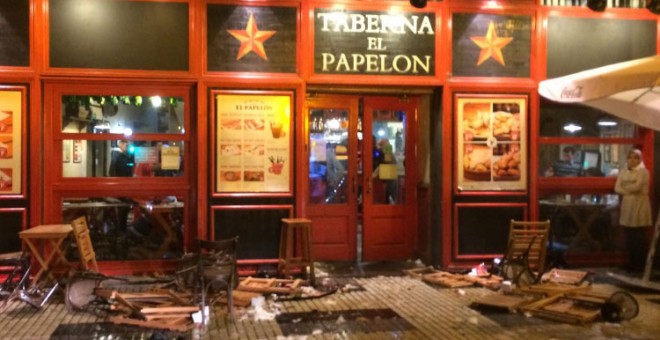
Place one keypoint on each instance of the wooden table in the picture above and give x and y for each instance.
(583, 215)
(160, 215)
(55, 234)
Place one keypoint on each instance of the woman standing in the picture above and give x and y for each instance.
(633, 185)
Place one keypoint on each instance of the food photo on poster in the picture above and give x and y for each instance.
(491, 145)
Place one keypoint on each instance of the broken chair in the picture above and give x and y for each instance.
(216, 270)
(524, 262)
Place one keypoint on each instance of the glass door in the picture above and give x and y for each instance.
(389, 210)
(332, 176)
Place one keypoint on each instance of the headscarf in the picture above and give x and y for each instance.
(641, 160)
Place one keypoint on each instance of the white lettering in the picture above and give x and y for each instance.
(327, 59)
(375, 23)
(375, 44)
(358, 60)
(377, 63)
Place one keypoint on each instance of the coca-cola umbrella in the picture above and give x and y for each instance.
(629, 90)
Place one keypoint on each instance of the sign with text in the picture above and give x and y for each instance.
(374, 43)
(253, 144)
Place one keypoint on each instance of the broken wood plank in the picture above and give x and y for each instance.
(118, 319)
(260, 285)
(166, 310)
(417, 273)
(564, 276)
(447, 279)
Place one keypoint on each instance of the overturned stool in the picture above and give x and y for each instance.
(296, 247)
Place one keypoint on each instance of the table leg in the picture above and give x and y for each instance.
(583, 227)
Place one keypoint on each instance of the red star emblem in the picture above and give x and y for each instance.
(252, 40)
(491, 45)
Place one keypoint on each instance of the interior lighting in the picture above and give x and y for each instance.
(156, 101)
(606, 123)
(380, 133)
(418, 3)
(572, 128)
(653, 6)
(492, 4)
(597, 5)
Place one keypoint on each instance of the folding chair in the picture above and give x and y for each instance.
(16, 266)
(524, 262)
(84, 243)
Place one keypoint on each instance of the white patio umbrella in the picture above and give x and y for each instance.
(629, 90)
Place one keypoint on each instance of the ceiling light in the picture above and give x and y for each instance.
(156, 101)
(607, 123)
(572, 128)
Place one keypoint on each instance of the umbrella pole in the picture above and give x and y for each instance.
(651, 254)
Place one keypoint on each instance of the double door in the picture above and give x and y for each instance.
(361, 175)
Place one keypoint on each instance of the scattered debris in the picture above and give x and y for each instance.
(281, 286)
(163, 309)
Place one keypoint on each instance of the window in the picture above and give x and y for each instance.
(124, 150)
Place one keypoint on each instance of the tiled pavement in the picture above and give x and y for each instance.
(378, 307)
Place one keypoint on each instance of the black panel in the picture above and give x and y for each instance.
(578, 44)
(119, 35)
(515, 53)
(14, 33)
(223, 48)
(258, 230)
(10, 226)
(485, 230)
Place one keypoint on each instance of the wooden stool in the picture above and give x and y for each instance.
(296, 247)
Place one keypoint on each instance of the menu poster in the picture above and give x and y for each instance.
(253, 149)
(10, 141)
(170, 158)
(491, 143)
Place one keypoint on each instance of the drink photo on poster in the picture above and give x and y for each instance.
(277, 129)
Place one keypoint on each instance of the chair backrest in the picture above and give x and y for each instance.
(219, 253)
(84, 242)
(531, 238)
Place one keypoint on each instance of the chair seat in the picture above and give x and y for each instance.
(217, 274)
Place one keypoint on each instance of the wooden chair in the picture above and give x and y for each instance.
(527, 248)
(84, 242)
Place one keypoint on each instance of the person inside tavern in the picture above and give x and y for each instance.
(568, 166)
(120, 162)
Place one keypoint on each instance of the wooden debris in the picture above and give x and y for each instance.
(489, 281)
(571, 308)
(163, 309)
(176, 324)
(279, 286)
(551, 289)
(563, 276)
(447, 279)
(417, 273)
